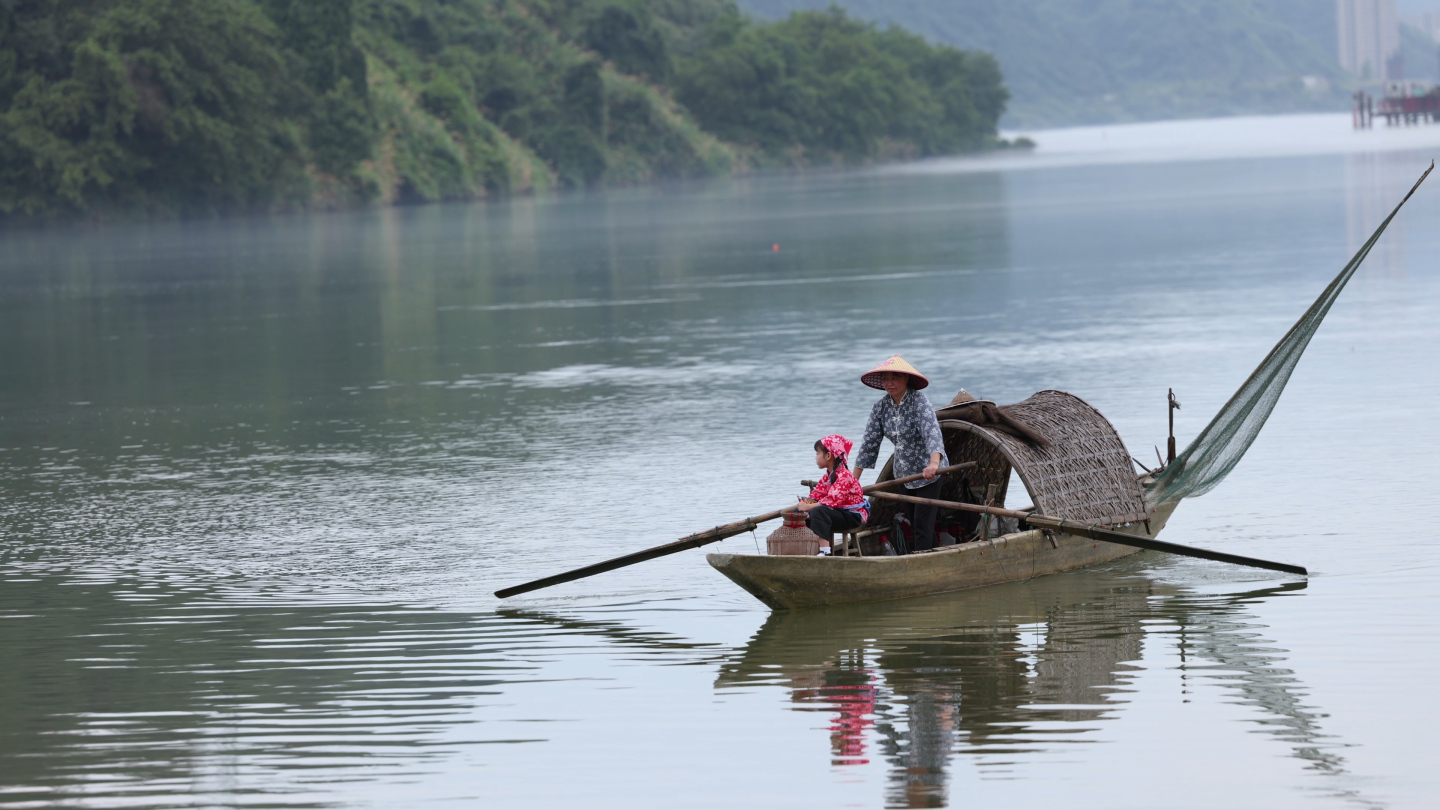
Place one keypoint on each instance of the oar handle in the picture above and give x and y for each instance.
(958, 505)
(894, 482)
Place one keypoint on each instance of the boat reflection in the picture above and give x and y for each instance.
(998, 672)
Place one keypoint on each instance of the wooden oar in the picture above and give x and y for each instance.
(1096, 533)
(696, 540)
(960, 505)
(1071, 527)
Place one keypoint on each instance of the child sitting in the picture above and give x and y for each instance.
(836, 503)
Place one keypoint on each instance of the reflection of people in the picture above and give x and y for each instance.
(999, 674)
(906, 417)
(836, 503)
(920, 776)
(850, 693)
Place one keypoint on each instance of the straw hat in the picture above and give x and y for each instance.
(897, 364)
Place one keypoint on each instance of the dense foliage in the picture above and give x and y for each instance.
(143, 103)
(822, 82)
(185, 106)
(1081, 61)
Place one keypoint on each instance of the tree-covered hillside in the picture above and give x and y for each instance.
(214, 105)
(1084, 61)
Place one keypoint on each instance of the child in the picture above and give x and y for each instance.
(836, 503)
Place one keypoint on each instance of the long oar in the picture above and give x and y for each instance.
(696, 540)
(1071, 527)
(1107, 535)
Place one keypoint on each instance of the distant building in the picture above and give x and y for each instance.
(1370, 39)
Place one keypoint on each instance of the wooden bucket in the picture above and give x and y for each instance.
(794, 539)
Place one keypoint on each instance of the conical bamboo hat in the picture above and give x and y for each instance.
(898, 364)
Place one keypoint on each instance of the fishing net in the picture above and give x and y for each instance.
(1222, 443)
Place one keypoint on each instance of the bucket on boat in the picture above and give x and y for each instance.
(794, 538)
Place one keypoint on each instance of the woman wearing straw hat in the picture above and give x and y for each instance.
(906, 417)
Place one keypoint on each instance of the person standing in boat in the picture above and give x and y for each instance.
(906, 417)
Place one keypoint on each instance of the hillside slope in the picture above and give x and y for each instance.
(1088, 61)
(175, 106)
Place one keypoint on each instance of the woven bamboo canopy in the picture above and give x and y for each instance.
(1083, 474)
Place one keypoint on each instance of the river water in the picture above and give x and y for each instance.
(259, 477)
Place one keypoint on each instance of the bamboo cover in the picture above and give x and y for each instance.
(1085, 474)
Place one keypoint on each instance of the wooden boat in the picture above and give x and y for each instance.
(786, 583)
(1089, 505)
(1084, 472)
(1075, 467)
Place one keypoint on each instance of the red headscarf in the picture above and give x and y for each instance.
(837, 445)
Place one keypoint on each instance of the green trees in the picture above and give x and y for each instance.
(149, 103)
(1070, 62)
(192, 107)
(821, 86)
(335, 104)
(629, 39)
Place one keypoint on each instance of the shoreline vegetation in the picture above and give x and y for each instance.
(172, 107)
(1080, 62)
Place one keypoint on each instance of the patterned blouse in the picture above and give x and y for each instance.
(840, 490)
(912, 427)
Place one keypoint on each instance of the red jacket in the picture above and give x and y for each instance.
(843, 492)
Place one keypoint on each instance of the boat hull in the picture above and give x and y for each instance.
(788, 583)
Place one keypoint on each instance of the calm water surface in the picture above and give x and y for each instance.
(259, 478)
